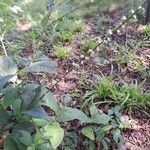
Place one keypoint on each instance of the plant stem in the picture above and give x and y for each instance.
(3, 46)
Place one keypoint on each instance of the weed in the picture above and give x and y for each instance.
(62, 52)
(88, 45)
(129, 96)
(66, 36)
(133, 96)
(104, 87)
(78, 26)
(147, 30)
(129, 59)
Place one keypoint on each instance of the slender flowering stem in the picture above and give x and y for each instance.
(3, 46)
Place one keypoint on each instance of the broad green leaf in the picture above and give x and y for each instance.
(7, 66)
(32, 95)
(31, 148)
(9, 143)
(42, 66)
(44, 146)
(37, 138)
(55, 134)
(50, 101)
(37, 112)
(39, 92)
(4, 80)
(28, 94)
(10, 95)
(25, 137)
(40, 122)
(68, 114)
(4, 117)
(116, 135)
(93, 110)
(88, 132)
(16, 106)
(39, 56)
(100, 118)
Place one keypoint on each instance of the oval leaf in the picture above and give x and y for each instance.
(4, 80)
(100, 118)
(55, 134)
(88, 132)
(25, 137)
(37, 112)
(50, 101)
(42, 66)
(68, 114)
(9, 143)
(7, 66)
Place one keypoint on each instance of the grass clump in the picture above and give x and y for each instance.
(129, 96)
(62, 52)
(88, 45)
(133, 96)
(78, 26)
(147, 30)
(66, 36)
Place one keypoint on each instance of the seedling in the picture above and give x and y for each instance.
(78, 26)
(62, 52)
(88, 45)
(66, 36)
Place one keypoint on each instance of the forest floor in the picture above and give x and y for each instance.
(137, 135)
(124, 56)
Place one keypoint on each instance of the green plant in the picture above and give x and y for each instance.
(66, 36)
(128, 96)
(62, 52)
(78, 26)
(128, 58)
(24, 123)
(133, 96)
(99, 133)
(88, 45)
(147, 30)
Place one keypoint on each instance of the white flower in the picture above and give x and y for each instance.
(82, 56)
(118, 31)
(108, 39)
(123, 26)
(140, 7)
(134, 16)
(132, 11)
(86, 58)
(105, 41)
(1, 20)
(82, 62)
(16, 9)
(110, 32)
(90, 50)
(124, 18)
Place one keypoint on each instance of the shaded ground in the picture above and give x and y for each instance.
(137, 135)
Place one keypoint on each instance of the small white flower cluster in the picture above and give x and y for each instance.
(110, 32)
(86, 58)
(124, 18)
(132, 11)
